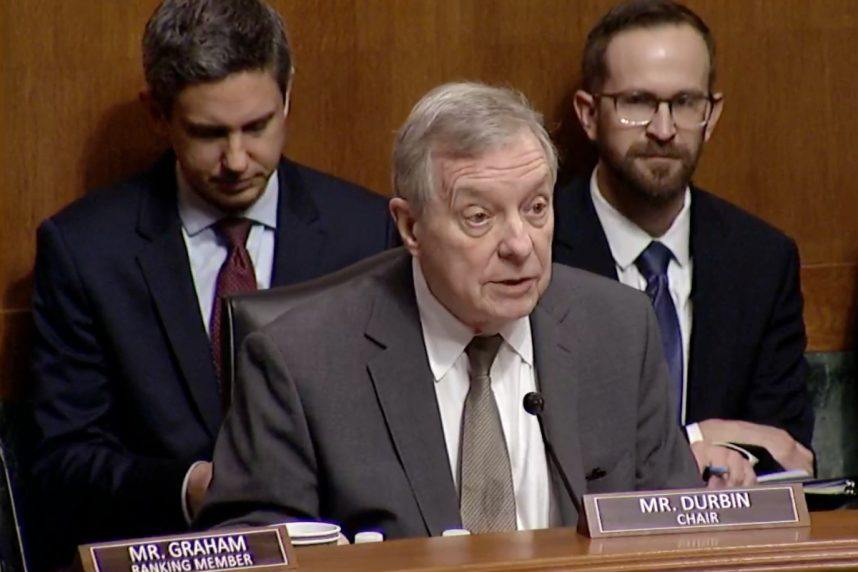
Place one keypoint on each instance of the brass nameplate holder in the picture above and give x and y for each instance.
(693, 510)
(264, 548)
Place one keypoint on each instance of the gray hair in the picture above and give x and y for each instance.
(465, 119)
(188, 42)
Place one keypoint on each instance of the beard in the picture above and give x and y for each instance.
(656, 183)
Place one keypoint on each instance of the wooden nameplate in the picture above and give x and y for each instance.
(693, 510)
(250, 549)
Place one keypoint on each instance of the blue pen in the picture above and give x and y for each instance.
(714, 471)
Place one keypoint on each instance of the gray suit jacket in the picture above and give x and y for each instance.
(335, 415)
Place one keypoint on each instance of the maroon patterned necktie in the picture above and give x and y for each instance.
(236, 276)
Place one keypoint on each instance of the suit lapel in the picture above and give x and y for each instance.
(579, 239)
(711, 285)
(557, 349)
(403, 383)
(166, 270)
(300, 233)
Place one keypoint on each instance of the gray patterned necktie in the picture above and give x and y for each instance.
(486, 499)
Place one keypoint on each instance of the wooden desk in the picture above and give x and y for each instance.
(831, 542)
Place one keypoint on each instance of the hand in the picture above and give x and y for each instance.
(198, 484)
(740, 473)
(787, 451)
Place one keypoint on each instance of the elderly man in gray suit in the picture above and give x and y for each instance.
(394, 402)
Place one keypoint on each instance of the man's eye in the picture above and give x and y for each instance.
(638, 99)
(477, 218)
(685, 100)
(539, 207)
(257, 127)
(205, 133)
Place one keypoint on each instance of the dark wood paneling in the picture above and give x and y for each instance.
(71, 120)
(829, 305)
(784, 148)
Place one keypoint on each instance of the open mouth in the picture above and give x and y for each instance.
(516, 285)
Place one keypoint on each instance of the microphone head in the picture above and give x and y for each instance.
(534, 403)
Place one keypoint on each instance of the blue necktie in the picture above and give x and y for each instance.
(652, 264)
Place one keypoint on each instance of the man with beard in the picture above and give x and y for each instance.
(724, 284)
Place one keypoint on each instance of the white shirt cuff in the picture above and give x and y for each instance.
(694, 433)
(185, 509)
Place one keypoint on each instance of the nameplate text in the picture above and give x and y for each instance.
(690, 510)
(239, 549)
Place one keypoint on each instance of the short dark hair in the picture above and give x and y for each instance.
(630, 15)
(188, 42)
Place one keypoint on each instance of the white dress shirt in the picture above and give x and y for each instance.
(627, 241)
(513, 376)
(207, 252)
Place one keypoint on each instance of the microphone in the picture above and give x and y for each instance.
(534, 404)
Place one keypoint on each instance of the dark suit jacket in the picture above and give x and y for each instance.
(335, 415)
(747, 342)
(126, 393)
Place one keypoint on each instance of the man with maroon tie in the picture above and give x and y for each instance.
(128, 279)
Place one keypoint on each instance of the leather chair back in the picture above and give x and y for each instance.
(246, 313)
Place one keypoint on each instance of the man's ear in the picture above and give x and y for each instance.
(403, 216)
(287, 97)
(156, 113)
(717, 107)
(585, 108)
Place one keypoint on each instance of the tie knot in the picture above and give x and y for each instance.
(234, 230)
(481, 354)
(653, 260)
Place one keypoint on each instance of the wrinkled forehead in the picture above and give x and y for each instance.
(490, 157)
(519, 163)
(662, 59)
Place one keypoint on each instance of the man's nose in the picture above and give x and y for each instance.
(516, 244)
(662, 127)
(235, 157)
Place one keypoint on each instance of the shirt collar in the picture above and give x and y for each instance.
(627, 240)
(446, 337)
(197, 214)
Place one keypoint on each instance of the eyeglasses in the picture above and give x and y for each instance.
(637, 108)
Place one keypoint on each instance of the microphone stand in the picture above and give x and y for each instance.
(534, 404)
